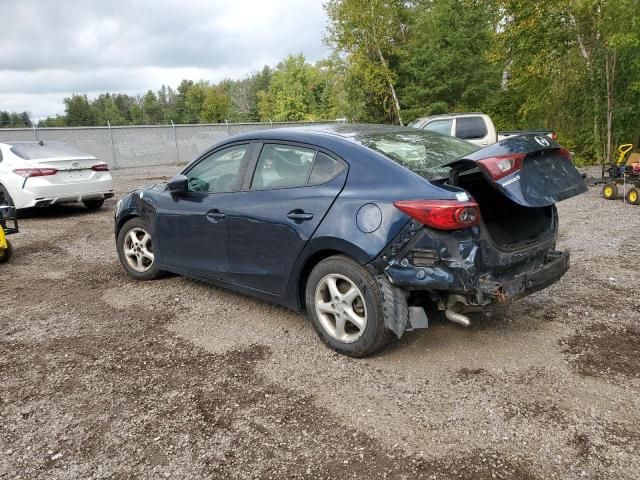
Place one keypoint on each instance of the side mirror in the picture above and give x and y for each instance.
(178, 184)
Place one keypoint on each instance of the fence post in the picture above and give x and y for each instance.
(175, 141)
(113, 148)
(35, 132)
(225, 121)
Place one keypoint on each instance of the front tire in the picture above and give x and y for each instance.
(136, 250)
(93, 204)
(345, 306)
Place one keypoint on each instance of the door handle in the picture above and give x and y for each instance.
(215, 216)
(299, 215)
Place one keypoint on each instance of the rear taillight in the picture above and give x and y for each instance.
(563, 152)
(502, 165)
(100, 167)
(441, 214)
(35, 172)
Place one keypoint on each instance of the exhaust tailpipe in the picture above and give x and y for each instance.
(457, 317)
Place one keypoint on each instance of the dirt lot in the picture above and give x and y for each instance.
(103, 377)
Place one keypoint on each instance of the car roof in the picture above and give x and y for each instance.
(447, 115)
(321, 134)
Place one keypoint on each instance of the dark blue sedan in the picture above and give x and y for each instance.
(361, 225)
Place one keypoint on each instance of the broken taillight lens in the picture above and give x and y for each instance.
(35, 172)
(441, 214)
(502, 165)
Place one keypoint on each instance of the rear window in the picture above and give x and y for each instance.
(471, 128)
(422, 152)
(36, 151)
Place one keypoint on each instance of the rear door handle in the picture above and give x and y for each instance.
(215, 216)
(299, 215)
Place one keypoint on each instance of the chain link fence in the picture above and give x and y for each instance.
(142, 146)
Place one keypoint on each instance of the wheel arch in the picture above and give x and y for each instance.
(124, 219)
(318, 252)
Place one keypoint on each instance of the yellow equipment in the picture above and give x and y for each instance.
(623, 150)
(625, 172)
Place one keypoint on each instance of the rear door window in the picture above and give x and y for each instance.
(282, 166)
(440, 126)
(471, 128)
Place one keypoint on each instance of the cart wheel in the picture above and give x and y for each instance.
(610, 191)
(6, 253)
(633, 196)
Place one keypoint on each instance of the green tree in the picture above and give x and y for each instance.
(151, 109)
(370, 34)
(78, 111)
(565, 62)
(445, 63)
(194, 100)
(216, 106)
(294, 93)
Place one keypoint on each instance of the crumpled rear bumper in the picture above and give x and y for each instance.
(512, 288)
(466, 264)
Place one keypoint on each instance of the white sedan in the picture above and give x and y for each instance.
(39, 174)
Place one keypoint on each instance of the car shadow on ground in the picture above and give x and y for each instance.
(63, 210)
(443, 335)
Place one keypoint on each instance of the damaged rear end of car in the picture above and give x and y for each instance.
(494, 243)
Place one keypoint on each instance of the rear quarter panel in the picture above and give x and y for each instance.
(374, 182)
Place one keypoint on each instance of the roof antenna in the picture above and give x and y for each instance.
(41, 143)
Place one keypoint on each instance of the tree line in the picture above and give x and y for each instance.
(568, 65)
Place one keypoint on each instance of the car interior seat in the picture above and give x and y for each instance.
(290, 168)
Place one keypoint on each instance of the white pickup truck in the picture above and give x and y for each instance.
(475, 127)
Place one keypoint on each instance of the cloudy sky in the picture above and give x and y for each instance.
(53, 48)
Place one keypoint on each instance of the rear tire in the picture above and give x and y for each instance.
(94, 204)
(345, 306)
(136, 250)
(7, 253)
(633, 196)
(610, 191)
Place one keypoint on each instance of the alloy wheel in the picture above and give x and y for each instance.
(341, 308)
(138, 249)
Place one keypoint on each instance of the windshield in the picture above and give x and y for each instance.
(422, 152)
(47, 150)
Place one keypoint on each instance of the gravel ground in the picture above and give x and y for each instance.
(104, 377)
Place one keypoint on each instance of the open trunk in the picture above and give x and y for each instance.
(509, 224)
(516, 184)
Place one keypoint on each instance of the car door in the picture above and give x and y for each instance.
(193, 228)
(291, 190)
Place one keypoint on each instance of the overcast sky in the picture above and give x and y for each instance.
(53, 48)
